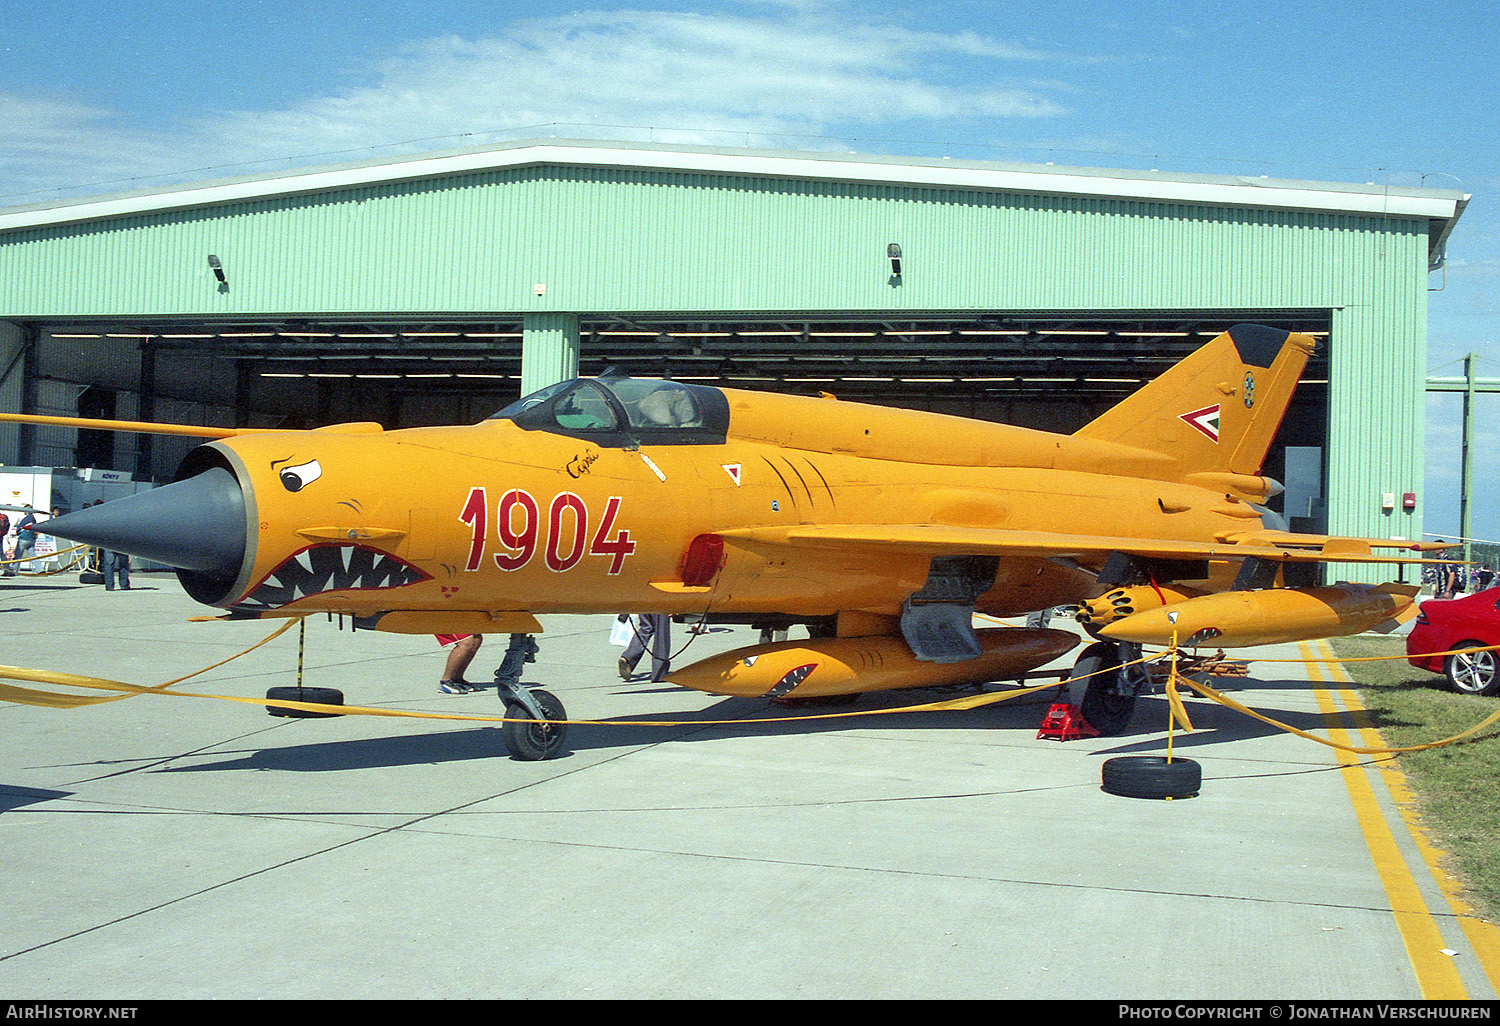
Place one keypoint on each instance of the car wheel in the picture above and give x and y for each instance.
(1473, 673)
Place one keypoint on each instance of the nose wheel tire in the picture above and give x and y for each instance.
(531, 739)
(1473, 673)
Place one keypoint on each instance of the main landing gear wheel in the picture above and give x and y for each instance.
(535, 739)
(317, 696)
(1152, 776)
(1108, 697)
(1472, 673)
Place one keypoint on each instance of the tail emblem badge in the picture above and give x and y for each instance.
(1205, 420)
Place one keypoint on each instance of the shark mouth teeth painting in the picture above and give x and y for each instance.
(321, 568)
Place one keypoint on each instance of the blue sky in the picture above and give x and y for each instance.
(109, 97)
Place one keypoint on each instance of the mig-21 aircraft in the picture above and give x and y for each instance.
(883, 531)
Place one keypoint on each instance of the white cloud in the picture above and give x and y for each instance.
(761, 78)
(44, 142)
(728, 79)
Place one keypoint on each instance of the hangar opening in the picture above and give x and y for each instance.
(1054, 372)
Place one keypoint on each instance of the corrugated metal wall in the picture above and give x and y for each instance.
(568, 240)
(641, 241)
(12, 387)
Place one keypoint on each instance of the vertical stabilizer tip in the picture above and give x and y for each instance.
(1258, 345)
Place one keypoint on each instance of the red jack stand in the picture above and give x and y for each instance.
(1064, 722)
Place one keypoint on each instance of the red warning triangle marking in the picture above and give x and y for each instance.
(1205, 420)
(733, 470)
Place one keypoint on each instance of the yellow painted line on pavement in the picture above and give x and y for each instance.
(1437, 976)
(1483, 936)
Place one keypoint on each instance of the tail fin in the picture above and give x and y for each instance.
(1219, 408)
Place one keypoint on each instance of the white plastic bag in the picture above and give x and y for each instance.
(621, 632)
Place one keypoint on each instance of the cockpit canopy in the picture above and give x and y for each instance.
(615, 410)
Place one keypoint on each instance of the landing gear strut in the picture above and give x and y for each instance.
(1110, 689)
(542, 725)
(316, 696)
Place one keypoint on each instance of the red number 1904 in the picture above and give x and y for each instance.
(518, 523)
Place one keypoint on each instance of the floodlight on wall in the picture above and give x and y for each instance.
(893, 251)
(218, 269)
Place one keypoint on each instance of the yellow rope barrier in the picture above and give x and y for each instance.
(1230, 703)
(119, 690)
(47, 555)
(59, 700)
(1178, 712)
(28, 696)
(278, 632)
(1378, 659)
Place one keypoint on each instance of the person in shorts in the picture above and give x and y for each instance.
(462, 648)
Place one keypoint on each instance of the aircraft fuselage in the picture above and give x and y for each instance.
(494, 518)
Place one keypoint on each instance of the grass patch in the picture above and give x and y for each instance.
(1456, 786)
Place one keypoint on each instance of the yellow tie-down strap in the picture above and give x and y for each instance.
(117, 690)
(64, 700)
(48, 555)
(1181, 716)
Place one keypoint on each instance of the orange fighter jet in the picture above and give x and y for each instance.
(884, 531)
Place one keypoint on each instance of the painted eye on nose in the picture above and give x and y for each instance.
(294, 479)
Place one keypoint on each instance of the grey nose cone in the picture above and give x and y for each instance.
(197, 524)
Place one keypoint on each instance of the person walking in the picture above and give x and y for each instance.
(653, 629)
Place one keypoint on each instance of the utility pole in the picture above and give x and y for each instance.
(1470, 385)
(1467, 473)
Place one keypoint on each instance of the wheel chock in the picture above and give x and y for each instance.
(1064, 722)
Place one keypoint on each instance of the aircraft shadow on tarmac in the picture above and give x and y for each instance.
(485, 742)
(478, 743)
(20, 797)
(1214, 724)
(1215, 727)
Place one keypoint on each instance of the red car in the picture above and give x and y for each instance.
(1442, 625)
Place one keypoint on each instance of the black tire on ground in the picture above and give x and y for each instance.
(533, 740)
(1106, 712)
(317, 696)
(1152, 776)
(1473, 673)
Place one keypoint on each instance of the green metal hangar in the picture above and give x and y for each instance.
(437, 289)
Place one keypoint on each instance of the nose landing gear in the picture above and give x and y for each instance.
(536, 726)
(537, 722)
